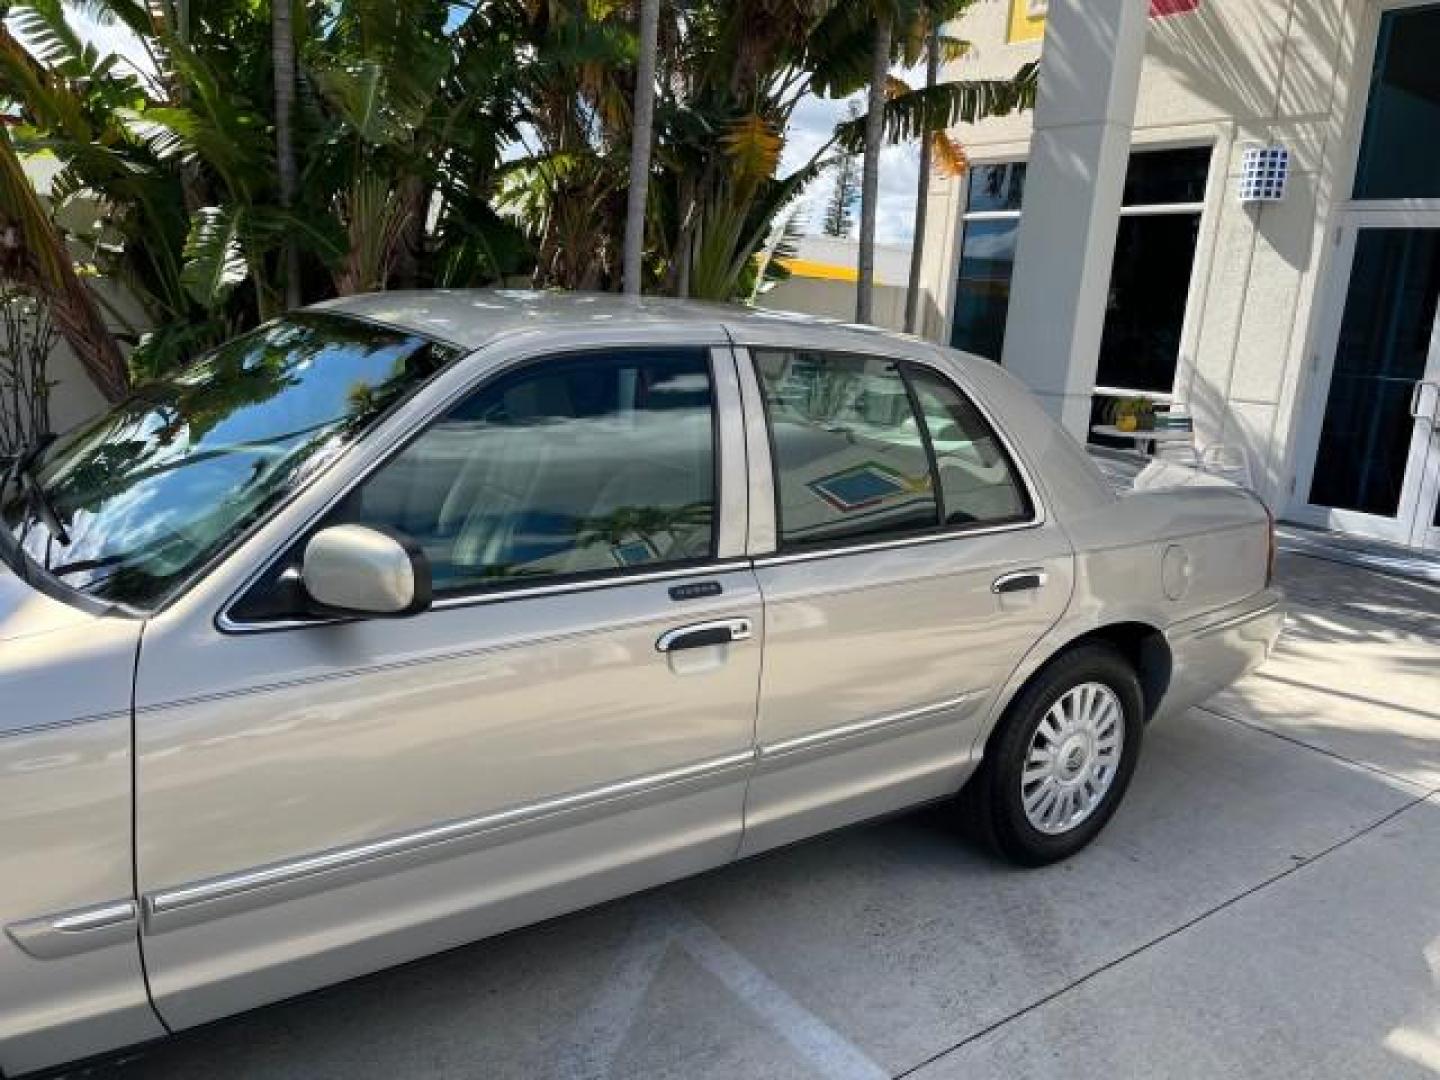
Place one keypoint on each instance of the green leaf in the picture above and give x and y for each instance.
(214, 258)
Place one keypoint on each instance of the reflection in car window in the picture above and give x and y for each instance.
(576, 465)
(150, 491)
(850, 457)
(978, 485)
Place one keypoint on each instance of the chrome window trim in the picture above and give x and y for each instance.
(755, 410)
(886, 545)
(531, 353)
(841, 737)
(194, 902)
(52, 937)
(497, 596)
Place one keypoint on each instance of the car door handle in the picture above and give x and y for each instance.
(698, 635)
(1019, 581)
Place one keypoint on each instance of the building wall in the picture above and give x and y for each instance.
(1231, 73)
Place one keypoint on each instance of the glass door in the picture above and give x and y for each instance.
(1374, 466)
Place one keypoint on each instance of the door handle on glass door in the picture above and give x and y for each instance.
(699, 635)
(1417, 401)
(1019, 581)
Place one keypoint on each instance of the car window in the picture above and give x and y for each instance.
(978, 482)
(147, 493)
(572, 465)
(850, 457)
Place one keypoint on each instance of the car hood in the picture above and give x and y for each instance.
(25, 612)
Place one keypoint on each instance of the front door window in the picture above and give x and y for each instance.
(586, 464)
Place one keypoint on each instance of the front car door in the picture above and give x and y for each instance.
(319, 800)
(907, 566)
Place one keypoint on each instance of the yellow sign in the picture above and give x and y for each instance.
(1027, 20)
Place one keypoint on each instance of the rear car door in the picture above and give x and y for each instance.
(573, 719)
(908, 567)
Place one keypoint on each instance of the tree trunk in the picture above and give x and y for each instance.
(282, 41)
(641, 132)
(922, 192)
(34, 256)
(414, 197)
(870, 183)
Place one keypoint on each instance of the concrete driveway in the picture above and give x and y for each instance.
(1266, 902)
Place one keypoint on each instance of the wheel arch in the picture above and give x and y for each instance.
(1141, 643)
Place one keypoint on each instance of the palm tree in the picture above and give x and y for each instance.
(34, 256)
(922, 191)
(641, 134)
(870, 174)
(282, 43)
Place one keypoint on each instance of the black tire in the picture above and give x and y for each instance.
(992, 801)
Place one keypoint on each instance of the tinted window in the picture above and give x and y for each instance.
(1145, 308)
(982, 294)
(996, 187)
(150, 491)
(978, 483)
(1399, 157)
(850, 458)
(576, 465)
(1167, 176)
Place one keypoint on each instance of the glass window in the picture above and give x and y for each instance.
(150, 491)
(577, 465)
(1167, 176)
(1150, 284)
(978, 483)
(850, 457)
(1145, 310)
(1000, 186)
(982, 295)
(1398, 157)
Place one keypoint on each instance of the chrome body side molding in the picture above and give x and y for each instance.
(858, 733)
(184, 905)
(79, 930)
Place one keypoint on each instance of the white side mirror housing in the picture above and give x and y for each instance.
(351, 570)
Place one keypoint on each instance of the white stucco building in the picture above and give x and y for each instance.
(1301, 331)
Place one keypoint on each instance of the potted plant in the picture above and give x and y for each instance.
(1133, 414)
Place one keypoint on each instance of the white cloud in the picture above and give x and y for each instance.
(811, 126)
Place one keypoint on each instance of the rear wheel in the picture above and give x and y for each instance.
(1059, 764)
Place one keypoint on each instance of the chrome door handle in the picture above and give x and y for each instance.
(699, 635)
(1417, 395)
(1019, 581)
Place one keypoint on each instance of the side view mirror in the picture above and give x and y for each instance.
(361, 570)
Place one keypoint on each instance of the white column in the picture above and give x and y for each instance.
(1089, 80)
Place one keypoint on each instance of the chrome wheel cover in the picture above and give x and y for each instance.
(1072, 759)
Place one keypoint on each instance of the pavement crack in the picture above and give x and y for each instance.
(1168, 934)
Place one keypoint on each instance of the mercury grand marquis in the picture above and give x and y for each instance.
(408, 619)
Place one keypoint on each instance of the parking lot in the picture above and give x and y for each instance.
(1266, 902)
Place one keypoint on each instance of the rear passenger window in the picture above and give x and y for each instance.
(574, 465)
(850, 457)
(978, 483)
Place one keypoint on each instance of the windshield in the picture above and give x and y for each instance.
(149, 492)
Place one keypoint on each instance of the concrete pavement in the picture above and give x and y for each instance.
(1266, 902)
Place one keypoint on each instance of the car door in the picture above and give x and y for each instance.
(907, 568)
(571, 720)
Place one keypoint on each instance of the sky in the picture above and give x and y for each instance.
(811, 124)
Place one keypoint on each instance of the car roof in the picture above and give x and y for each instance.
(473, 317)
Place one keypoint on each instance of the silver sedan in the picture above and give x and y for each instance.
(412, 618)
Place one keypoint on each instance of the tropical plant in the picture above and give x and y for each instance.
(27, 337)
